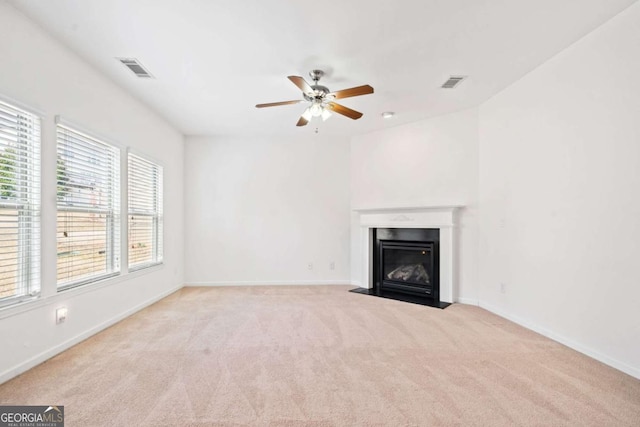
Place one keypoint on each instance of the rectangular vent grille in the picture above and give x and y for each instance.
(453, 82)
(135, 66)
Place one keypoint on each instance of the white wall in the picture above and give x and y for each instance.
(559, 204)
(40, 73)
(431, 162)
(259, 210)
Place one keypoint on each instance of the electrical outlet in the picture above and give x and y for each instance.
(310, 266)
(61, 315)
(332, 265)
(503, 288)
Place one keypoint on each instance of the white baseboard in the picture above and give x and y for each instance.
(468, 301)
(621, 366)
(269, 283)
(48, 354)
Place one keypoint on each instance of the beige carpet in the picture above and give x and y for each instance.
(321, 356)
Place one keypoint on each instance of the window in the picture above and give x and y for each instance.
(145, 213)
(88, 195)
(19, 204)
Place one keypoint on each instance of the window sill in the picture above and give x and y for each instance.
(145, 266)
(65, 294)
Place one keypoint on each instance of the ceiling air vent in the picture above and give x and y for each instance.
(453, 82)
(135, 66)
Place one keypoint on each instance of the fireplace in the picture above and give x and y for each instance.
(407, 231)
(406, 261)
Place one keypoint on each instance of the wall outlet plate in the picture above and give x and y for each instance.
(61, 315)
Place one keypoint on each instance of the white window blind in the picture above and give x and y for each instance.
(88, 194)
(19, 204)
(145, 212)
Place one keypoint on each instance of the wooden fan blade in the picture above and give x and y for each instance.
(301, 83)
(341, 109)
(302, 121)
(275, 104)
(354, 91)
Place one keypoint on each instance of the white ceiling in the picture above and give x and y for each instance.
(214, 60)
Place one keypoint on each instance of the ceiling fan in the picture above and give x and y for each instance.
(321, 99)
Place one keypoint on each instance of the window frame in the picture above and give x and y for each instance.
(113, 234)
(28, 248)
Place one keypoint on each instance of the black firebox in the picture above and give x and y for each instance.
(405, 267)
(406, 261)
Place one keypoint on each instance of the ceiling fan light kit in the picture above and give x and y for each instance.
(321, 99)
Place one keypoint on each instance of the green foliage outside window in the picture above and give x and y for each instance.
(8, 173)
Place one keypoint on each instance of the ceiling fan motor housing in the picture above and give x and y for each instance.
(319, 93)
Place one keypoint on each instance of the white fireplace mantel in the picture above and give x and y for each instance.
(443, 218)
